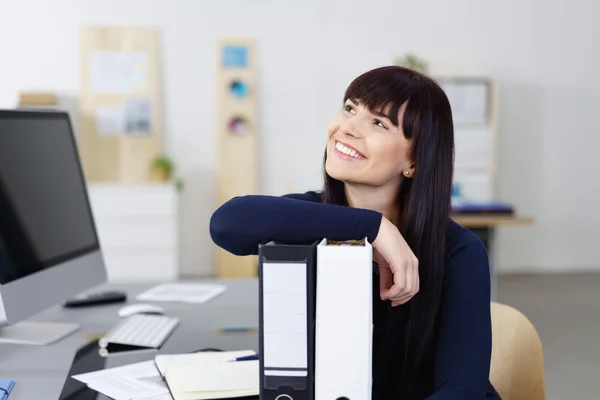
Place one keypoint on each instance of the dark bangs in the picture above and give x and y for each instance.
(386, 90)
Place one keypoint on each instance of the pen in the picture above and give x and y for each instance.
(247, 358)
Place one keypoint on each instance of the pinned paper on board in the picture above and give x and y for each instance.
(138, 116)
(134, 118)
(234, 56)
(110, 120)
(118, 72)
(469, 99)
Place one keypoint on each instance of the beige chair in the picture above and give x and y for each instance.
(517, 370)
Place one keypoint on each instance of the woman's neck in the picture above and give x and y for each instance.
(382, 199)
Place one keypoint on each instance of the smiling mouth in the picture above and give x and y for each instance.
(339, 146)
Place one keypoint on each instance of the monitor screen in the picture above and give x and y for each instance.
(45, 218)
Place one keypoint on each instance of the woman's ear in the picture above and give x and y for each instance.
(409, 172)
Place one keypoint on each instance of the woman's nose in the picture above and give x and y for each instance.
(351, 127)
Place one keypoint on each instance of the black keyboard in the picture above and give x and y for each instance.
(96, 298)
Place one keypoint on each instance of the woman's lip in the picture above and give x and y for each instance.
(350, 147)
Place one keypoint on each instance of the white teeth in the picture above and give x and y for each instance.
(347, 150)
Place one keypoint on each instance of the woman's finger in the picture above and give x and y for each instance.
(401, 300)
(410, 281)
(412, 288)
(400, 277)
(386, 281)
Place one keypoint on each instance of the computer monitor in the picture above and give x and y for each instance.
(49, 248)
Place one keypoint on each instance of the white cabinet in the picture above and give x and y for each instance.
(137, 229)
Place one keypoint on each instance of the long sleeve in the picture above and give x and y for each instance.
(244, 222)
(462, 364)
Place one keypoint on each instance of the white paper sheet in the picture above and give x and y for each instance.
(138, 116)
(110, 120)
(131, 382)
(183, 292)
(118, 72)
(134, 117)
(166, 396)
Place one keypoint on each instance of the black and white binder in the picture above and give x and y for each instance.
(287, 284)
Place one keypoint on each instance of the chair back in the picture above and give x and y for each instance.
(517, 368)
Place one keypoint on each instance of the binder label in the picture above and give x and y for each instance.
(284, 319)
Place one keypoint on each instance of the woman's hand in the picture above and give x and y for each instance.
(398, 265)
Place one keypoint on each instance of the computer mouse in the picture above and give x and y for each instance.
(140, 309)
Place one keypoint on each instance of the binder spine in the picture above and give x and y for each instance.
(344, 321)
(286, 321)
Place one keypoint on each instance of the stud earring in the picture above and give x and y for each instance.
(407, 173)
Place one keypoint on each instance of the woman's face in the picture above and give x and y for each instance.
(365, 148)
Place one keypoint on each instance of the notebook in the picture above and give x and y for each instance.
(5, 388)
(209, 375)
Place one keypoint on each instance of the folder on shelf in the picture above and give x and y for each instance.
(344, 324)
(286, 320)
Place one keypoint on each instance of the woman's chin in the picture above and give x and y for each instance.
(339, 174)
(335, 170)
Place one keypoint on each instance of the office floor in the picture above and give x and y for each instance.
(565, 309)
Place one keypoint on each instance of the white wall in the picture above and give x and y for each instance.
(543, 55)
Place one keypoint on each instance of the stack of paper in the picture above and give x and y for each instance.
(139, 381)
(209, 375)
(183, 292)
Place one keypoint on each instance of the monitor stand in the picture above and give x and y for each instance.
(36, 333)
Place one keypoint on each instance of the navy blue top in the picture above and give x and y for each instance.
(464, 340)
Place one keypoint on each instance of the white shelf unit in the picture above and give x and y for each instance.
(475, 112)
(138, 230)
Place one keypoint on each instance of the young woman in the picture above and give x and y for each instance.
(388, 171)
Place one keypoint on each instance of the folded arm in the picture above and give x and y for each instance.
(244, 222)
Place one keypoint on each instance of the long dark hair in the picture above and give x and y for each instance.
(405, 361)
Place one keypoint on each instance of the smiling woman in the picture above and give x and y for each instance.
(358, 133)
(388, 169)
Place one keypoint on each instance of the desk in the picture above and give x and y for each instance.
(484, 226)
(40, 371)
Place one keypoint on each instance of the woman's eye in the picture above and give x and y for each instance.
(349, 108)
(379, 123)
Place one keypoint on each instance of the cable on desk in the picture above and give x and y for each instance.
(206, 349)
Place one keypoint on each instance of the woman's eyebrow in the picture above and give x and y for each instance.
(382, 114)
(377, 113)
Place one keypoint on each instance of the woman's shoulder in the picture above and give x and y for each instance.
(311, 195)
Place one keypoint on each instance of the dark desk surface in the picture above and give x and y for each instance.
(40, 372)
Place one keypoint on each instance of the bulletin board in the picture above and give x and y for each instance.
(238, 138)
(120, 102)
(475, 115)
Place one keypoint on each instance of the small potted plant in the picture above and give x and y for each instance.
(162, 168)
(412, 61)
